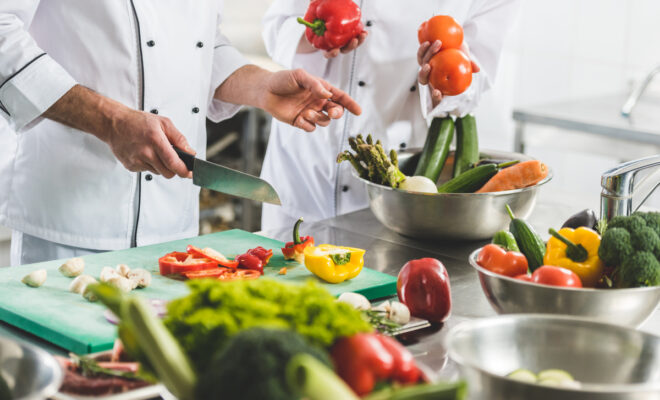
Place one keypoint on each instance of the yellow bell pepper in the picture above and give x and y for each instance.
(577, 250)
(334, 264)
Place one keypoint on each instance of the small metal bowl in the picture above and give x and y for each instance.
(630, 307)
(29, 372)
(456, 216)
(610, 362)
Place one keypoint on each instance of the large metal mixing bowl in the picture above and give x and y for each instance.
(630, 307)
(611, 362)
(27, 371)
(457, 216)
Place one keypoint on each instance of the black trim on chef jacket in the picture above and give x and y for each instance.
(139, 174)
(21, 69)
(3, 108)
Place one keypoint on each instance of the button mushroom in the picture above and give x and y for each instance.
(89, 295)
(141, 277)
(35, 278)
(79, 284)
(123, 270)
(108, 273)
(121, 283)
(72, 267)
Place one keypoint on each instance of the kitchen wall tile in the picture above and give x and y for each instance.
(642, 49)
(549, 27)
(602, 30)
(542, 79)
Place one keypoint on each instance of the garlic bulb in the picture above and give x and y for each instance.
(35, 278)
(357, 300)
(399, 313)
(72, 267)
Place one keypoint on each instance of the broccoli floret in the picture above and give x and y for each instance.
(253, 365)
(652, 220)
(645, 239)
(630, 223)
(641, 269)
(615, 246)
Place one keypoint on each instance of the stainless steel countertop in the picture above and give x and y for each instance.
(388, 252)
(599, 115)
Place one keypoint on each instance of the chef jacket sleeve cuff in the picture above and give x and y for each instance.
(226, 60)
(32, 90)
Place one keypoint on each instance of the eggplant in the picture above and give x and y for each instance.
(586, 217)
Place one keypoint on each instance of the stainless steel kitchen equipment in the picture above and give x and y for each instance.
(455, 216)
(29, 372)
(610, 362)
(506, 295)
(632, 100)
(226, 180)
(626, 187)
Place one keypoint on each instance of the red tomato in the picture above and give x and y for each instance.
(556, 276)
(451, 72)
(443, 28)
(423, 286)
(497, 260)
(212, 254)
(178, 263)
(524, 277)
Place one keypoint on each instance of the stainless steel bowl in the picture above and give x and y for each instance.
(457, 216)
(29, 373)
(630, 307)
(610, 361)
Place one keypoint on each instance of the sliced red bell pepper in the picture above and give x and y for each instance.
(240, 275)
(207, 273)
(263, 254)
(178, 263)
(249, 261)
(212, 254)
(295, 250)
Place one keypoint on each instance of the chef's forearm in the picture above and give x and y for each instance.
(246, 86)
(83, 109)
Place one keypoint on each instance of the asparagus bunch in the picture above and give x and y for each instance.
(372, 162)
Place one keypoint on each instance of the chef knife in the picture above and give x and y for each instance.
(226, 180)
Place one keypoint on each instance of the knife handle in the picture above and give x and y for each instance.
(187, 158)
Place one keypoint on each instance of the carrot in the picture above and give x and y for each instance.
(524, 174)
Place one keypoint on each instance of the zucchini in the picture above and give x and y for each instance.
(467, 144)
(436, 148)
(505, 240)
(530, 243)
(473, 179)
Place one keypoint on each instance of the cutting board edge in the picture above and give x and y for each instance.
(380, 291)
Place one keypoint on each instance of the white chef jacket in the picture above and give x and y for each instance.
(163, 56)
(381, 75)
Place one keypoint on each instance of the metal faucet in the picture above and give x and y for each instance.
(626, 187)
(631, 101)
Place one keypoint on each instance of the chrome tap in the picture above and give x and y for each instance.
(631, 101)
(626, 187)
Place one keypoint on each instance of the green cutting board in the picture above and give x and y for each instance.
(69, 321)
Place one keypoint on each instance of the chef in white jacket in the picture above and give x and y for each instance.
(382, 75)
(97, 92)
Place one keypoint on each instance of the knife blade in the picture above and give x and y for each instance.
(226, 180)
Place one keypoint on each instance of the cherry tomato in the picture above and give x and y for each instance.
(178, 263)
(451, 72)
(524, 277)
(212, 254)
(497, 260)
(556, 276)
(249, 261)
(443, 28)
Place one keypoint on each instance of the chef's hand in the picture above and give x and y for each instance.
(141, 141)
(424, 54)
(304, 101)
(305, 47)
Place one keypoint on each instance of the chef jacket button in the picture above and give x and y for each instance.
(413, 88)
(402, 145)
(361, 83)
(200, 44)
(369, 23)
(151, 43)
(154, 111)
(195, 110)
(344, 188)
(148, 177)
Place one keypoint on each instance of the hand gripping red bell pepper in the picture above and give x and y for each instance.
(295, 250)
(332, 24)
(365, 359)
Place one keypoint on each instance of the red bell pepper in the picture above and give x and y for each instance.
(331, 24)
(365, 359)
(178, 263)
(263, 254)
(250, 261)
(295, 250)
(502, 262)
(213, 255)
(423, 286)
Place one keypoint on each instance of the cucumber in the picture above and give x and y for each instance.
(523, 375)
(530, 243)
(436, 148)
(467, 144)
(473, 179)
(505, 240)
